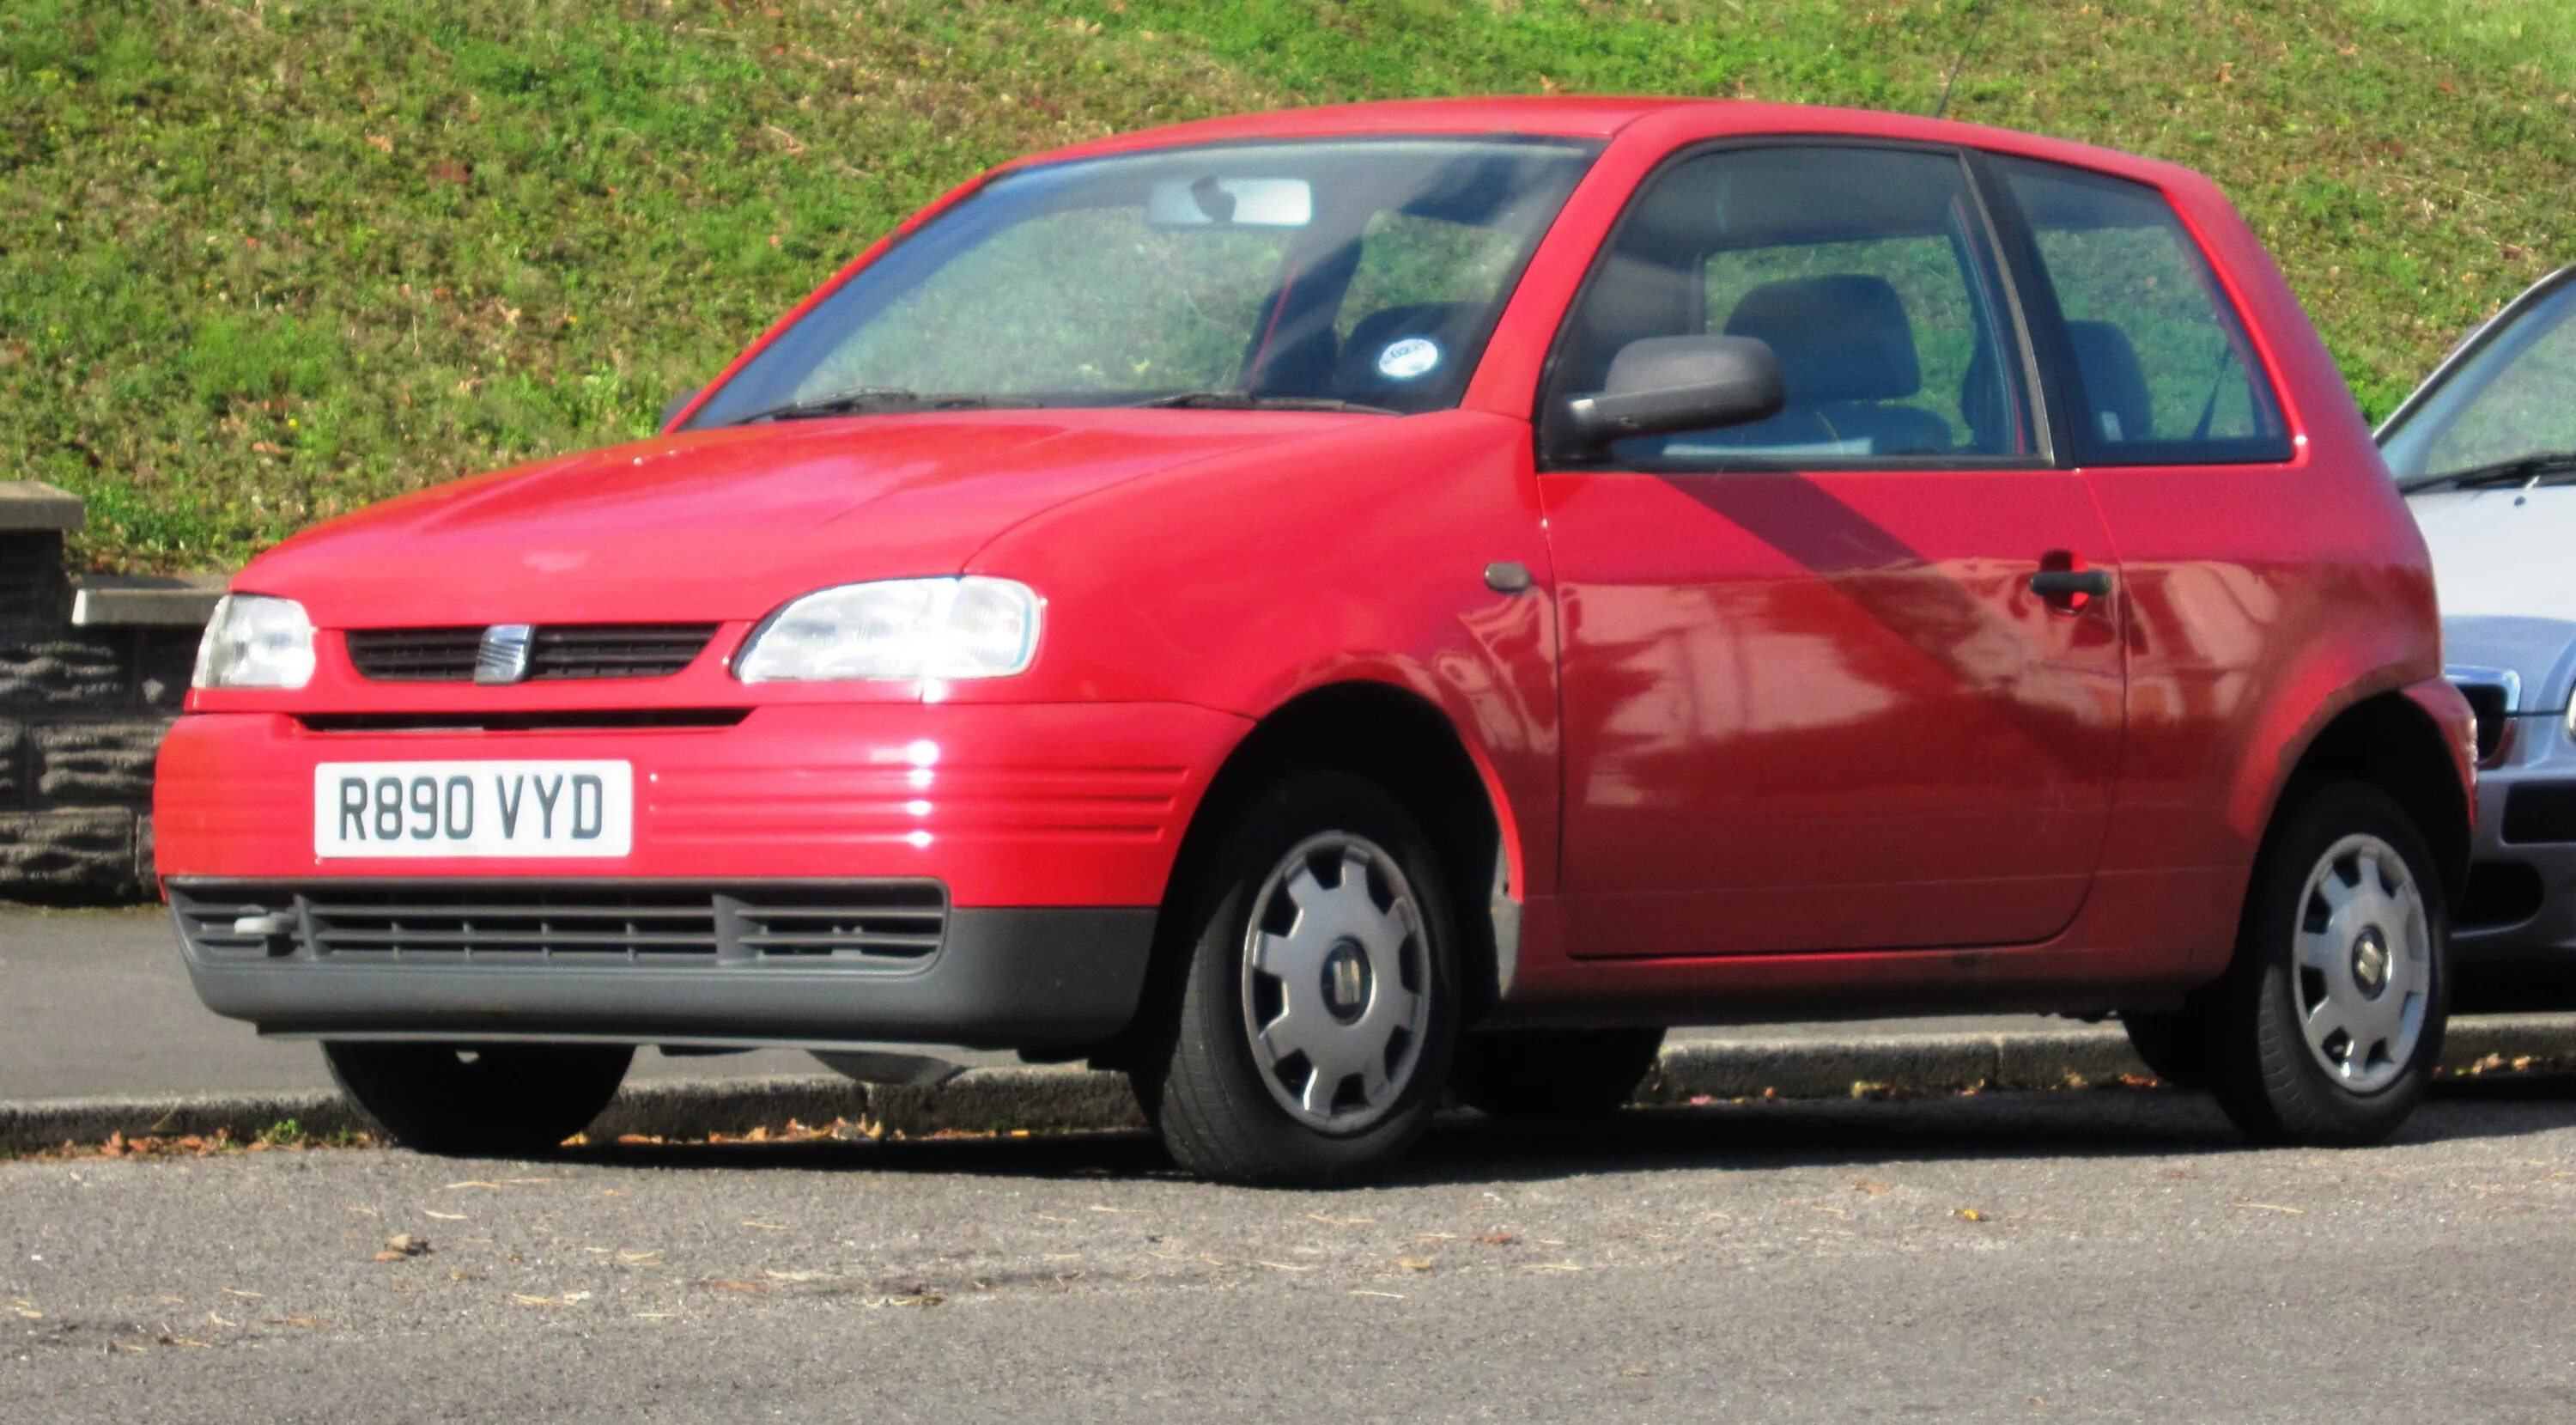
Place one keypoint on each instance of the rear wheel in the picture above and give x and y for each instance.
(479, 1100)
(2327, 1027)
(1319, 1000)
(1552, 1073)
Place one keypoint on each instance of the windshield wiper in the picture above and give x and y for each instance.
(2503, 472)
(1249, 401)
(861, 400)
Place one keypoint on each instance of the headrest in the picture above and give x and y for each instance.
(1839, 338)
(2115, 385)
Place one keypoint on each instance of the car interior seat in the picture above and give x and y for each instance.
(2115, 384)
(1846, 351)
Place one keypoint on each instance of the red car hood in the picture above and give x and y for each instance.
(729, 524)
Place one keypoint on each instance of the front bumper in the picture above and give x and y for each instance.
(657, 962)
(1046, 832)
(2513, 938)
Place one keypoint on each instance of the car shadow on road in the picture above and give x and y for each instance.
(1736, 1136)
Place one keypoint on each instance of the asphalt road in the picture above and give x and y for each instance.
(2129, 1261)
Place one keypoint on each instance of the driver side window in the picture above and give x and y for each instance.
(1868, 274)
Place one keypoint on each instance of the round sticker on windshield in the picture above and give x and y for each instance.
(1404, 360)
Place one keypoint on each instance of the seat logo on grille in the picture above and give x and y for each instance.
(503, 655)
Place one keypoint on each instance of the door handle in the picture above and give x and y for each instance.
(2067, 583)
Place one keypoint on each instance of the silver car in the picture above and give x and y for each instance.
(2486, 452)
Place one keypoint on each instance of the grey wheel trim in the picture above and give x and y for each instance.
(2361, 963)
(1336, 986)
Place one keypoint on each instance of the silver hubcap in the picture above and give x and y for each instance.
(2364, 962)
(1334, 990)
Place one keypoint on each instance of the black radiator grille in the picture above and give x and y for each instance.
(555, 651)
(893, 922)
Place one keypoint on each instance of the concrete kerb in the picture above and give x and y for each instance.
(1070, 1099)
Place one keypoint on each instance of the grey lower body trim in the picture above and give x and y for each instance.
(1005, 979)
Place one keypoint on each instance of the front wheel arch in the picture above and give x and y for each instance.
(1406, 745)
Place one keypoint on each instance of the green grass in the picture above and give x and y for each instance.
(262, 262)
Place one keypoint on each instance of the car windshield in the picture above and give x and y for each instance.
(1348, 274)
(2505, 403)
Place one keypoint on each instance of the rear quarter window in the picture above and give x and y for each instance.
(2156, 365)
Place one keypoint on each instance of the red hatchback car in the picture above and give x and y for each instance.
(1319, 609)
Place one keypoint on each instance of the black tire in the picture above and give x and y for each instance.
(2172, 1042)
(2266, 1076)
(1203, 1085)
(1552, 1073)
(479, 1100)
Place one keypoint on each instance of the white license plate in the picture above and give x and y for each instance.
(384, 809)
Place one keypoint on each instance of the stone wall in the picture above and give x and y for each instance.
(91, 673)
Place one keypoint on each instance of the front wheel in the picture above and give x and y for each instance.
(2327, 1027)
(1319, 1000)
(479, 1100)
(1553, 1073)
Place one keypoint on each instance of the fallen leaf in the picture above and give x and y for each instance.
(2266, 1206)
(1495, 1239)
(1414, 1264)
(447, 1216)
(1389, 1295)
(305, 1321)
(1340, 1221)
(743, 1286)
(1550, 1267)
(1872, 1188)
(767, 1226)
(401, 1245)
(1970, 1214)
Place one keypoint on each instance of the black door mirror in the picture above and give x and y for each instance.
(671, 409)
(1661, 384)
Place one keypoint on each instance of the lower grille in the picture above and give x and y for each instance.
(2539, 812)
(895, 923)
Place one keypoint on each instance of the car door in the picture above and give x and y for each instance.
(1814, 697)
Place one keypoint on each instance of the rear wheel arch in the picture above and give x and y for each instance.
(2389, 742)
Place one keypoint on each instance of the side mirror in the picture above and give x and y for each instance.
(1661, 384)
(671, 409)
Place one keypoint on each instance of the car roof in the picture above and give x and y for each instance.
(1599, 117)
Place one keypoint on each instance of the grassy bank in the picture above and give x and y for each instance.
(261, 262)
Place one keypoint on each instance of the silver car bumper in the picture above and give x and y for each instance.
(2514, 933)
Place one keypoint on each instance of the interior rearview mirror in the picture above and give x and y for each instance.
(1211, 201)
(1661, 384)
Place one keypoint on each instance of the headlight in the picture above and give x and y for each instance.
(255, 641)
(903, 629)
